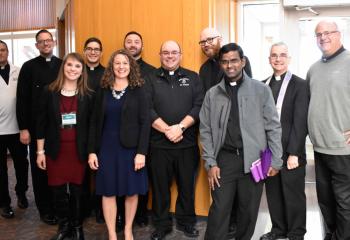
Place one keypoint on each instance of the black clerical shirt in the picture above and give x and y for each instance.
(276, 85)
(233, 139)
(5, 73)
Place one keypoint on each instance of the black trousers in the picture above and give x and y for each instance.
(18, 153)
(233, 182)
(333, 192)
(42, 192)
(286, 199)
(165, 164)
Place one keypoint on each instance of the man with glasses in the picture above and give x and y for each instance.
(176, 96)
(329, 129)
(238, 120)
(285, 192)
(34, 75)
(95, 70)
(210, 72)
(9, 137)
(93, 54)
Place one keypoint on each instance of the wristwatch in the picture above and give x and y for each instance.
(182, 127)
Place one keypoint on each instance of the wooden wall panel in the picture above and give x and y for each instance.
(157, 21)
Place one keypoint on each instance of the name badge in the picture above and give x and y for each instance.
(69, 119)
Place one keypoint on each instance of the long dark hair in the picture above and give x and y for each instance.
(82, 84)
(134, 77)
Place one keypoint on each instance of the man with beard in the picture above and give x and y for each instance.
(210, 72)
(34, 75)
(95, 70)
(134, 44)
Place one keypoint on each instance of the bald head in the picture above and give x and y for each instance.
(210, 42)
(328, 37)
(170, 55)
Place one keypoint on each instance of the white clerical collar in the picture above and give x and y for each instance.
(3, 67)
(233, 84)
(48, 59)
(92, 68)
(277, 78)
(171, 73)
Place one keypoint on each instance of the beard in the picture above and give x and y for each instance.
(212, 51)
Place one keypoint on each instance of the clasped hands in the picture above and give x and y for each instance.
(173, 133)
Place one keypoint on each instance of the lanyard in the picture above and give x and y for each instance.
(282, 92)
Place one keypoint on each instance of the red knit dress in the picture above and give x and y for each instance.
(67, 168)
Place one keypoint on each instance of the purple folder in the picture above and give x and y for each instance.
(260, 167)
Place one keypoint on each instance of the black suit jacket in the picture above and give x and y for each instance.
(294, 119)
(49, 123)
(135, 120)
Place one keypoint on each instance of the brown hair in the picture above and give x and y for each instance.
(134, 77)
(82, 84)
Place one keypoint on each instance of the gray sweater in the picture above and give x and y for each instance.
(258, 118)
(329, 109)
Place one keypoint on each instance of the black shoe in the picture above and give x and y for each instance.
(232, 231)
(189, 230)
(142, 221)
(295, 238)
(7, 212)
(329, 236)
(48, 219)
(99, 216)
(62, 233)
(159, 234)
(271, 236)
(22, 201)
(78, 233)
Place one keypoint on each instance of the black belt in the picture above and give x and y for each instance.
(236, 151)
(70, 126)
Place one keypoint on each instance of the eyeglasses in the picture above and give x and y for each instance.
(230, 61)
(276, 56)
(166, 53)
(208, 40)
(325, 34)
(96, 50)
(45, 41)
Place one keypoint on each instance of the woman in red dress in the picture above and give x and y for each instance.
(62, 134)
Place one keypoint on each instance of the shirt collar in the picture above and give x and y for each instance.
(339, 51)
(236, 83)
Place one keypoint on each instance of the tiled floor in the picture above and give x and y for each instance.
(26, 224)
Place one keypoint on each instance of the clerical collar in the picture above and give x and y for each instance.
(47, 59)
(236, 83)
(92, 68)
(3, 67)
(170, 73)
(278, 78)
(339, 51)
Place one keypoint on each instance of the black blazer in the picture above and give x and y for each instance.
(294, 119)
(49, 123)
(135, 120)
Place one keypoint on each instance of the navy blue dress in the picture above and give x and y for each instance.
(116, 175)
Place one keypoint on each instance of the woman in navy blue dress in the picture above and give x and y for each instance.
(119, 137)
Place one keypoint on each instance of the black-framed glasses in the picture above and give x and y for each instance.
(209, 40)
(96, 50)
(44, 41)
(230, 61)
(325, 34)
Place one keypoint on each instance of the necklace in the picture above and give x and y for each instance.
(69, 93)
(118, 95)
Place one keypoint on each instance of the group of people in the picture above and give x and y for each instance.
(105, 132)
